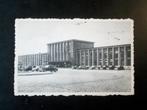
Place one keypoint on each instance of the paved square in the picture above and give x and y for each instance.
(69, 80)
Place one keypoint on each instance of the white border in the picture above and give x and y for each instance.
(78, 93)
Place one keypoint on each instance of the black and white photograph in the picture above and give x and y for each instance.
(74, 57)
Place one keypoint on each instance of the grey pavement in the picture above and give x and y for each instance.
(69, 80)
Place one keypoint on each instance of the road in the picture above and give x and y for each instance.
(69, 80)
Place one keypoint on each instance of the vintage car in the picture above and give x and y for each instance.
(74, 67)
(119, 67)
(111, 67)
(92, 68)
(28, 68)
(104, 67)
(51, 68)
(83, 67)
(35, 68)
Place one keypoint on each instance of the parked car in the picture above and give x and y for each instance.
(87, 67)
(80, 67)
(111, 67)
(83, 67)
(28, 68)
(104, 67)
(120, 68)
(74, 67)
(35, 68)
(51, 68)
(92, 68)
(99, 67)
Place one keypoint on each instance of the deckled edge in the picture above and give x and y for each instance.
(132, 92)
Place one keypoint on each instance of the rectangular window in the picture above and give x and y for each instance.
(90, 57)
(105, 56)
(110, 56)
(86, 59)
(128, 51)
(95, 57)
(121, 56)
(116, 56)
(100, 56)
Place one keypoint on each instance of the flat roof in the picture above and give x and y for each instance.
(34, 54)
(71, 40)
(106, 46)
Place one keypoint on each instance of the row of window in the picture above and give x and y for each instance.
(105, 56)
(59, 52)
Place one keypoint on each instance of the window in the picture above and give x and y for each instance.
(121, 55)
(116, 56)
(105, 56)
(100, 56)
(128, 52)
(110, 56)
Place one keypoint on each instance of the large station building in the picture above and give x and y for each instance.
(65, 52)
(81, 53)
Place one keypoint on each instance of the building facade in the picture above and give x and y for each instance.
(80, 53)
(33, 59)
(64, 53)
(118, 55)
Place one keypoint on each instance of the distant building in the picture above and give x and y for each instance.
(33, 59)
(81, 53)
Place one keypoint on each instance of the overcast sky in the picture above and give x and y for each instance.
(32, 35)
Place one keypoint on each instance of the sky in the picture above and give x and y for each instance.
(33, 35)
